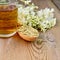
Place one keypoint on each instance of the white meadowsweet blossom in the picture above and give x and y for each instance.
(40, 13)
(26, 1)
(40, 19)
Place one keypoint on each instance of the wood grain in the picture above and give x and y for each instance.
(57, 3)
(15, 48)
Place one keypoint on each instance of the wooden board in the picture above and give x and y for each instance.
(15, 48)
(57, 3)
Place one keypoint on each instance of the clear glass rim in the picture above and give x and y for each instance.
(8, 3)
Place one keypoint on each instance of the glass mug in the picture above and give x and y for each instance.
(8, 19)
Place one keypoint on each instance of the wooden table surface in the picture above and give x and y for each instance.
(15, 48)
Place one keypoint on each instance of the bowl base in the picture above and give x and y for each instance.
(7, 35)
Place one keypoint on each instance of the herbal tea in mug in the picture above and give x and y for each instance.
(8, 19)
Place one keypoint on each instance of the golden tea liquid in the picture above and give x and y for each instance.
(8, 19)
